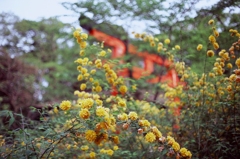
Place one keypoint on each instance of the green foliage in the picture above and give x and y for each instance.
(209, 120)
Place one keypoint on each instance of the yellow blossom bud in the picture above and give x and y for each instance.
(167, 41)
(211, 22)
(199, 47)
(215, 45)
(177, 47)
(83, 86)
(210, 53)
(82, 53)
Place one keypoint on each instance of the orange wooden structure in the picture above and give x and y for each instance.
(119, 49)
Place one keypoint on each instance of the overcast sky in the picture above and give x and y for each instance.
(37, 9)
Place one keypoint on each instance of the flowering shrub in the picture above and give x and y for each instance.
(105, 121)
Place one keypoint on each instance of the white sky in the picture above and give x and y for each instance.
(37, 9)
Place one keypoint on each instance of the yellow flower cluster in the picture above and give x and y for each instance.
(212, 38)
(156, 132)
(144, 123)
(185, 153)
(103, 122)
(108, 151)
(234, 33)
(123, 116)
(81, 37)
(180, 67)
(86, 103)
(84, 147)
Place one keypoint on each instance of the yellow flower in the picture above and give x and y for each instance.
(80, 77)
(185, 153)
(99, 102)
(152, 44)
(76, 33)
(90, 135)
(167, 41)
(68, 147)
(210, 22)
(175, 146)
(100, 111)
(23, 143)
(84, 36)
(156, 132)
(115, 148)
(210, 53)
(55, 110)
(177, 47)
(93, 71)
(84, 113)
(98, 88)
(92, 154)
(65, 105)
(237, 62)
(82, 53)
(123, 89)
(122, 103)
(216, 33)
(83, 86)
(215, 45)
(150, 137)
(170, 140)
(83, 44)
(109, 151)
(84, 147)
(123, 116)
(86, 103)
(102, 53)
(115, 139)
(144, 123)
(133, 115)
(212, 39)
(199, 47)
(38, 145)
(134, 87)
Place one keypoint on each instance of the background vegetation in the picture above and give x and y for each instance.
(37, 72)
